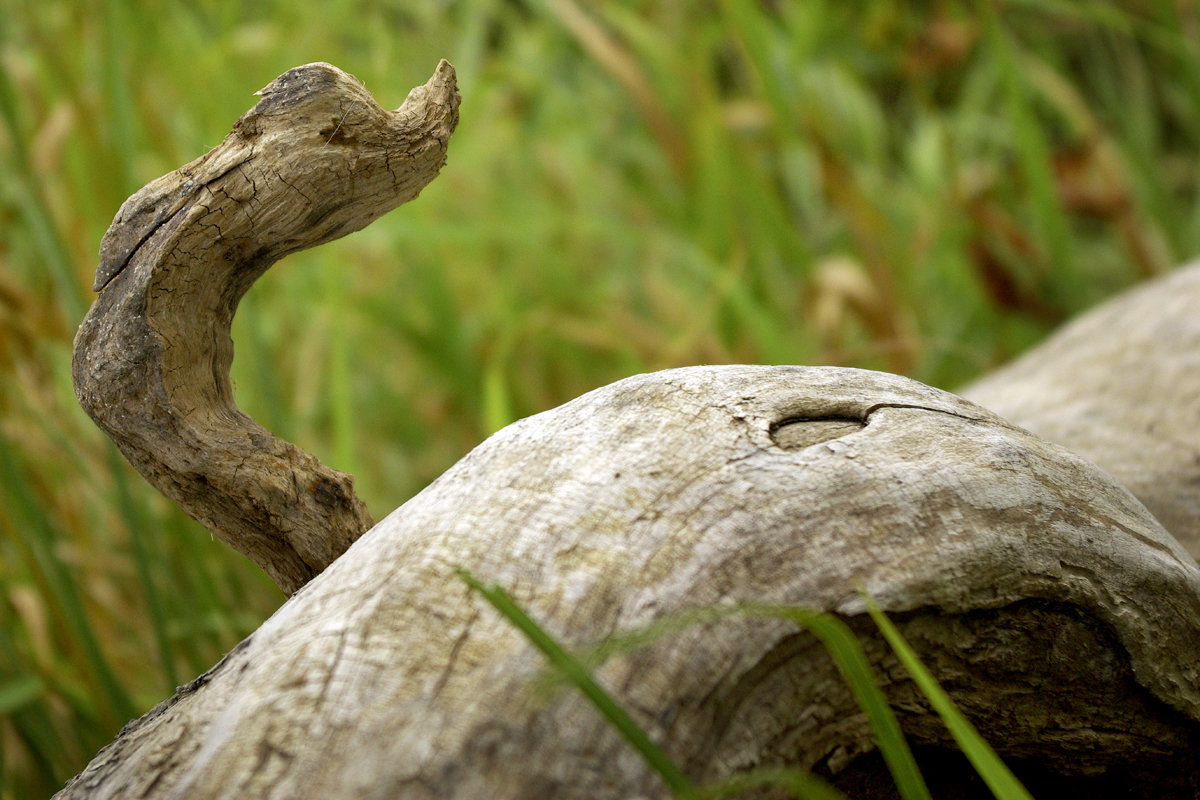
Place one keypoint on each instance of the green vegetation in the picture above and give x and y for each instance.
(926, 188)
(997, 777)
(839, 641)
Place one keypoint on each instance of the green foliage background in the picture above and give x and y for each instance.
(922, 187)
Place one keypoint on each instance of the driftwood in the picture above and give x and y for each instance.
(315, 159)
(1121, 386)
(1059, 614)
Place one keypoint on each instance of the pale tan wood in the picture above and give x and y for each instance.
(1059, 613)
(315, 159)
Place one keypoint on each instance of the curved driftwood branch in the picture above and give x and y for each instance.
(1061, 617)
(1121, 386)
(315, 159)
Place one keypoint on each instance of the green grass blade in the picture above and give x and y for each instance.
(259, 390)
(25, 713)
(801, 784)
(139, 533)
(37, 536)
(983, 758)
(848, 654)
(338, 371)
(31, 204)
(579, 675)
(18, 692)
(1033, 152)
(497, 407)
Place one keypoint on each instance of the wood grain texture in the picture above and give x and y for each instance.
(316, 158)
(1055, 609)
(1120, 385)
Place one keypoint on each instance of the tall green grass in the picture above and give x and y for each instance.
(925, 188)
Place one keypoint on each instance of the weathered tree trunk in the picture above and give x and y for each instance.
(1059, 614)
(1121, 386)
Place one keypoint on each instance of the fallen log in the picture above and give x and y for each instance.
(1060, 616)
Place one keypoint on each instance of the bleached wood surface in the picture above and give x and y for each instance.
(1120, 385)
(1058, 613)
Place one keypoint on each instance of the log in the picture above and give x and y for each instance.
(1063, 619)
(1061, 616)
(1120, 385)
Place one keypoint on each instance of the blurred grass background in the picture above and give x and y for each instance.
(926, 188)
